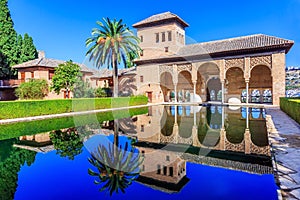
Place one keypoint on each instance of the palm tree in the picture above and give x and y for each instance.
(117, 168)
(112, 44)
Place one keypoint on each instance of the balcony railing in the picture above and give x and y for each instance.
(10, 83)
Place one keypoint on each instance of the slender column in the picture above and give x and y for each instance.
(247, 118)
(195, 118)
(223, 117)
(176, 112)
(194, 96)
(247, 91)
(175, 88)
(175, 127)
(223, 91)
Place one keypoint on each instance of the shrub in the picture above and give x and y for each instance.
(34, 89)
(16, 109)
(291, 106)
(103, 92)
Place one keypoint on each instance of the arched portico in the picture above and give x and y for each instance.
(184, 86)
(234, 83)
(167, 86)
(209, 85)
(260, 85)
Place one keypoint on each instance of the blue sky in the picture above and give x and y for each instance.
(60, 27)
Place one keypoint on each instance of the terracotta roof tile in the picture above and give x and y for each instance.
(160, 17)
(47, 62)
(234, 44)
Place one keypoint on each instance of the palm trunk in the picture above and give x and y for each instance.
(115, 75)
(116, 137)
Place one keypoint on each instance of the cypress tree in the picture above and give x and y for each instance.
(29, 51)
(4, 67)
(13, 48)
(8, 35)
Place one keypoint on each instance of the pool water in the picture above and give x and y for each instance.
(172, 152)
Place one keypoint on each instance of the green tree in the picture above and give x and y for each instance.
(12, 45)
(4, 67)
(82, 89)
(111, 44)
(66, 75)
(10, 167)
(28, 50)
(67, 143)
(8, 35)
(33, 89)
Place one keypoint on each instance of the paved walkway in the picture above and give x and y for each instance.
(285, 141)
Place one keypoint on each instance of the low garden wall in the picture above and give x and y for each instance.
(29, 108)
(291, 106)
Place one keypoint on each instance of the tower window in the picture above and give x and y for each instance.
(165, 170)
(163, 36)
(167, 158)
(166, 49)
(158, 169)
(142, 128)
(169, 35)
(171, 172)
(157, 37)
(142, 38)
(142, 52)
(141, 79)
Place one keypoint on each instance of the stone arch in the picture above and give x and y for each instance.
(184, 86)
(235, 128)
(261, 80)
(209, 128)
(235, 82)
(207, 71)
(259, 136)
(167, 85)
(213, 89)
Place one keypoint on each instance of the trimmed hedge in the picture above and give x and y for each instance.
(17, 109)
(291, 106)
(8, 131)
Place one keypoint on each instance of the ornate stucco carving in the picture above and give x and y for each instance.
(261, 60)
(234, 62)
(186, 67)
(166, 68)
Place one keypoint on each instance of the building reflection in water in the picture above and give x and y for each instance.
(234, 138)
(170, 136)
(215, 128)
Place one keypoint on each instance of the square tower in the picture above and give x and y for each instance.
(161, 35)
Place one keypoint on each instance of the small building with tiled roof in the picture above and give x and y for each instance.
(242, 69)
(44, 68)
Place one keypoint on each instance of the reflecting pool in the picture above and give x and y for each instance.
(165, 152)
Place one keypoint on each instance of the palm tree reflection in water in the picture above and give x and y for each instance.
(117, 166)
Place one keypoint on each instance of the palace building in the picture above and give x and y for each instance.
(243, 69)
(249, 69)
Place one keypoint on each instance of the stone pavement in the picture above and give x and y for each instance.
(284, 137)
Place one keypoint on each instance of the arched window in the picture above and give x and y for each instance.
(255, 96)
(244, 96)
(267, 96)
